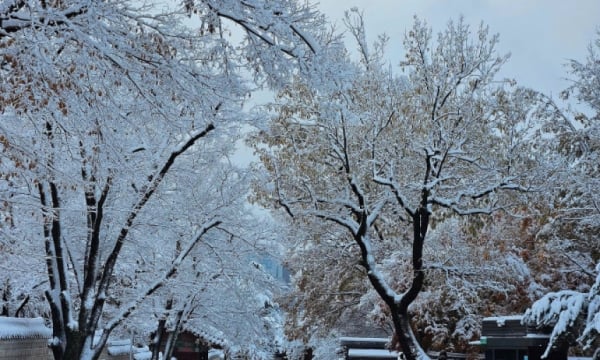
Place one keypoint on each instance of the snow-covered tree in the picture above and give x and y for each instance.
(226, 293)
(21, 283)
(380, 159)
(115, 121)
(580, 147)
(574, 314)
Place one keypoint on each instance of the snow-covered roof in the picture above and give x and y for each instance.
(213, 337)
(22, 328)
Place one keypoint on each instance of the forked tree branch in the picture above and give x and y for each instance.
(111, 260)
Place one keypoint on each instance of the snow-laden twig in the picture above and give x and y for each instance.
(157, 284)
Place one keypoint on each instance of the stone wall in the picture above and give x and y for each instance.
(24, 339)
(27, 339)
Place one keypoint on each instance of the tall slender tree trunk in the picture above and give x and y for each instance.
(173, 335)
(157, 340)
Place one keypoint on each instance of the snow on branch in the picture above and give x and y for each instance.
(13, 20)
(559, 310)
(376, 278)
(119, 318)
(592, 328)
(349, 224)
(554, 308)
(188, 141)
(567, 312)
(346, 203)
(395, 187)
(456, 204)
(264, 32)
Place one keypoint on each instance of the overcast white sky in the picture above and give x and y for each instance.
(541, 35)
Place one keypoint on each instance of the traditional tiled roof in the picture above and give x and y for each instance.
(210, 335)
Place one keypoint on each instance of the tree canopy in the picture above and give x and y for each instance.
(383, 158)
(421, 197)
(117, 120)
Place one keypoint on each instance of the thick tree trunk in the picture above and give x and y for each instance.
(69, 344)
(74, 347)
(405, 340)
(404, 335)
(409, 345)
(79, 346)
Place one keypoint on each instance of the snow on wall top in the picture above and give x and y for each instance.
(125, 347)
(146, 355)
(369, 339)
(119, 347)
(22, 328)
(371, 353)
(501, 320)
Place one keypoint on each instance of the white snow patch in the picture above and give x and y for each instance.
(216, 354)
(147, 355)
(54, 341)
(501, 320)
(372, 353)
(364, 339)
(538, 336)
(119, 347)
(125, 347)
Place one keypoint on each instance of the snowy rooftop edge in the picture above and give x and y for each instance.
(507, 317)
(206, 336)
(21, 328)
(370, 339)
(372, 353)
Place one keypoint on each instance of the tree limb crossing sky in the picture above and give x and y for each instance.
(541, 35)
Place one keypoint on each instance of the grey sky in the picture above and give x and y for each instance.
(541, 35)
